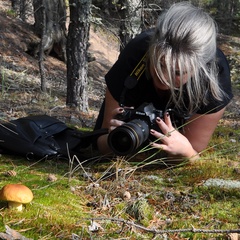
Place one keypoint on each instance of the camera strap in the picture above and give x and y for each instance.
(179, 118)
(132, 79)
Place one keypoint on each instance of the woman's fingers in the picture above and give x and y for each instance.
(167, 120)
(115, 123)
(117, 111)
(160, 136)
(116, 115)
(166, 125)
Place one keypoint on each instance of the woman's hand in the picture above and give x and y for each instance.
(115, 122)
(172, 141)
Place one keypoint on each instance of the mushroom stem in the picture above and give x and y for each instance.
(15, 205)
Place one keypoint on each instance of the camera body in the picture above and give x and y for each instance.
(127, 138)
(146, 112)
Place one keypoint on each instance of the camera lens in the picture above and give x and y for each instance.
(127, 138)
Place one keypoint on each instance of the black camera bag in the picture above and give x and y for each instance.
(43, 136)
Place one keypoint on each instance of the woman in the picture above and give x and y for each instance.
(184, 71)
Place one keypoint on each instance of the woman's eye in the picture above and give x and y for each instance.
(177, 73)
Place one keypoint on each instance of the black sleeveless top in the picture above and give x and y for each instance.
(144, 91)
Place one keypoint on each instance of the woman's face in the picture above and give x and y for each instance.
(160, 85)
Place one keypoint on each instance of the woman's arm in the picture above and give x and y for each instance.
(200, 128)
(193, 139)
(111, 110)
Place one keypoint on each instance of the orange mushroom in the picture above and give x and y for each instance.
(16, 195)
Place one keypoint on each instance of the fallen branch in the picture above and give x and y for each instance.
(12, 235)
(155, 231)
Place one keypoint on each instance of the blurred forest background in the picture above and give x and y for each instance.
(63, 29)
(54, 54)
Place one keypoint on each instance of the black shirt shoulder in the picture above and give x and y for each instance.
(224, 80)
(126, 62)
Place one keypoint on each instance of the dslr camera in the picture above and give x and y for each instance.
(127, 138)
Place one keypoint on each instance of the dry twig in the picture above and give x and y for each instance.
(155, 231)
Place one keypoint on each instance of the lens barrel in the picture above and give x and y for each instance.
(127, 138)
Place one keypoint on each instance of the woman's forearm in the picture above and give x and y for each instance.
(102, 144)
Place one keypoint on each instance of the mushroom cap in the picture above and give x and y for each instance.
(16, 193)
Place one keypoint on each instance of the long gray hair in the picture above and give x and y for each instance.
(185, 37)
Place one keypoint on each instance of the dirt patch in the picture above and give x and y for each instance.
(20, 79)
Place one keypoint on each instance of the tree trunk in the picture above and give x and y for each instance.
(23, 8)
(77, 44)
(41, 52)
(54, 38)
(130, 25)
(15, 5)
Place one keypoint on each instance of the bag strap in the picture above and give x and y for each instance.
(132, 80)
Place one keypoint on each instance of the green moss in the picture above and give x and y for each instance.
(60, 208)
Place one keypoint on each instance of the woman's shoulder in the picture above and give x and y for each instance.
(223, 71)
(130, 56)
(224, 83)
(222, 59)
(139, 44)
(224, 76)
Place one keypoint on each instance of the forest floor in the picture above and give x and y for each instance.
(20, 78)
